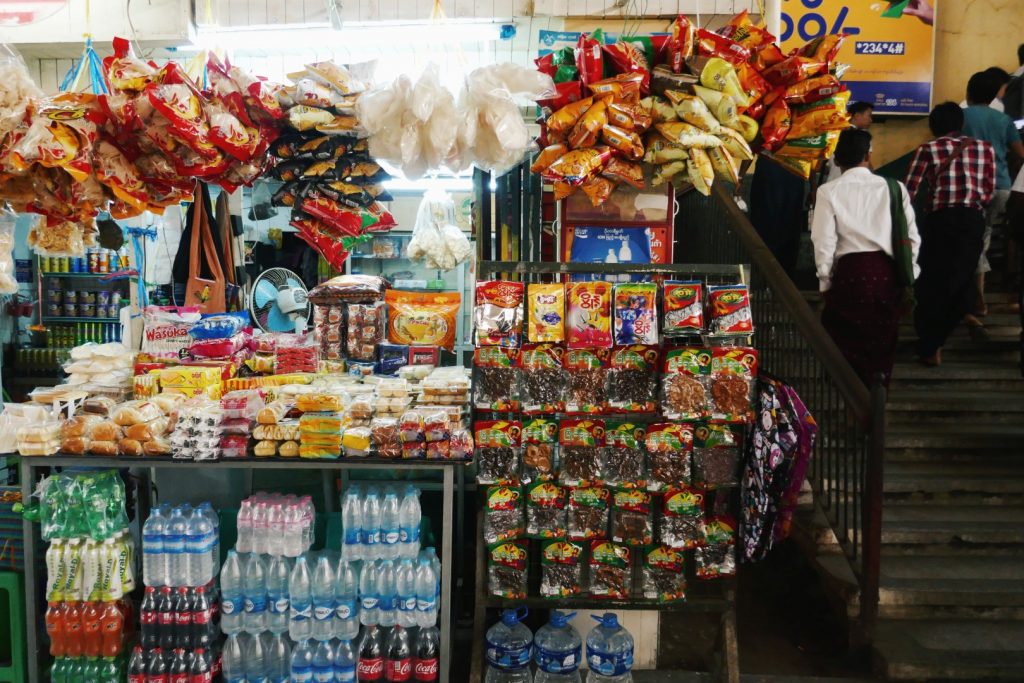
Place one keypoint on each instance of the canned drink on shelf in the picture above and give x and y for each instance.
(94, 261)
(87, 310)
(54, 295)
(71, 296)
(103, 297)
(115, 297)
(87, 297)
(70, 310)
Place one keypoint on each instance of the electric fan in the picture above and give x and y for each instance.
(278, 301)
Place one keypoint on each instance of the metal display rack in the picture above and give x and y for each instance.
(715, 597)
(449, 468)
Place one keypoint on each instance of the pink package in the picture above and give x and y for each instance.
(218, 348)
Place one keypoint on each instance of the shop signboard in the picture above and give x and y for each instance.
(890, 47)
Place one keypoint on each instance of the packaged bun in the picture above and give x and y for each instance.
(156, 447)
(288, 449)
(103, 447)
(273, 412)
(79, 426)
(99, 405)
(131, 447)
(106, 431)
(147, 431)
(136, 412)
(75, 445)
(168, 403)
(265, 448)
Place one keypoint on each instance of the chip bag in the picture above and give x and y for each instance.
(621, 171)
(578, 165)
(725, 166)
(813, 89)
(661, 109)
(824, 48)
(721, 105)
(743, 31)
(666, 172)
(684, 309)
(598, 189)
(588, 127)
(498, 313)
(821, 116)
(565, 93)
(712, 44)
(627, 58)
(624, 141)
(681, 43)
(662, 151)
(566, 117)
(548, 156)
(776, 125)
(589, 58)
(545, 312)
(629, 116)
(635, 310)
(624, 87)
(422, 318)
(701, 171)
(687, 136)
(692, 110)
(793, 70)
(766, 57)
(733, 141)
(589, 315)
(718, 74)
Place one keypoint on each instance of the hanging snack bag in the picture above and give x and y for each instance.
(733, 373)
(681, 526)
(497, 383)
(589, 59)
(668, 451)
(540, 443)
(546, 312)
(712, 44)
(716, 456)
(587, 516)
(579, 165)
(507, 569)
(631, 520)
(497, 451)
(563, 120)
(635, 311)
(589, 318)
(560, 569)
(632, 384)
(544, 380)
(581, 447)
(422, 318)
(681, 43)
(545, 510)
(663, 577)
(498, 313)
(503, 515)
(716, 557)
(588, 378)
(610, 570)
(625, 461)
(684, 384)
(730, 311)
(684, 308)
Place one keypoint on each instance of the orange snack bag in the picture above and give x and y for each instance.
(548, 156)
(422, 318)
(598, 189)
(624, 141)
(586, 130)
(566, 117)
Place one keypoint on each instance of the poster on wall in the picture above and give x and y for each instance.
(890, 47)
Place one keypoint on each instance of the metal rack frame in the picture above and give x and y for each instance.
(29, 465)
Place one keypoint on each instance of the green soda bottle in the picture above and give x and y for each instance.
(76, 671)
(110, 671)
(59, 670)
(91, 670)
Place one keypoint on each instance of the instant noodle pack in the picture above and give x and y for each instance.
(600, 450)
(687, 107)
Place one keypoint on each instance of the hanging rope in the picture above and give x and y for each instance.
(138, 235)
(89, 61)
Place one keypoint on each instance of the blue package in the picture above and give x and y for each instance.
(219, 325)
(610, 245)
(358, 368)
(390, 357)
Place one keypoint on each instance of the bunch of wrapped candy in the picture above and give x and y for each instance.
(331, 183)
(139, 147)
(688, 106)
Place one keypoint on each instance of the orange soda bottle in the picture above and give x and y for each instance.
(55, 628)
(73, 630)
(91, 636)
(111, 628)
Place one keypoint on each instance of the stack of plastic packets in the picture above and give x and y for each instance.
(197, 434)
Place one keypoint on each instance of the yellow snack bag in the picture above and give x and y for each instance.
(702, 173)
(545, 312)
(660, 109)
(598, 189)
(687, 135)
(820, 117)
(812, 147)
(722, 106)
(723, 163)
(667, 172)
(548, 156)
(624, 141)
(692, 110)
(734, 142)
(586, 130)
(566, 117)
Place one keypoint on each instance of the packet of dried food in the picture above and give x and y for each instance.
(507, 569)
(684, 394)
(588, 127)
(546, 312)
(625, 462)
(543, 378)
(663, 577)
(681, 525)
(560, 569)
(733, 374)
(503, 514)
(632, 521)
(635, 310)
(684, 308)
(668, 455)
(589, 318)
(496, 385)
(716, 456)
(587, 512)
(498, 313)
(588, 376)
(497, 451)
(610, 570)
(545, 510)
(540, 446)
(566, 117)
(581, 447)
(716, 557)
(730, 311)
(632, 383)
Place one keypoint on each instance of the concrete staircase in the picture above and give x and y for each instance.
(951, 603)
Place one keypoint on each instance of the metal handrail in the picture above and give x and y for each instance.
(846, 472)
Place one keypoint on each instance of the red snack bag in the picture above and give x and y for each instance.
(711, 44)
(577, 166)
(546, 64)
(823, 48)
(178, 100)
(627, 58)
(730, 310)
(813, 89)
(753, 84)
(229, 133)
(120, 175)
(681, 43)
(589, 57)
(565, 93)
(125, 71)
(766, 57)
(742, 30)
(776, 124)
(589, 318)
(793, 70)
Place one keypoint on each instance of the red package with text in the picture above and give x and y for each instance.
(681, 43)
(711, 44)
(589, 318)
(776, 124)
(498, 313)
(565, 93)
(627, 58)
(793, 70)
(766, 57)
(178, 100)
(745, 32)
(589, 58)
(684, 308)
(229, 134)
(120, 175)
(730, 310)
(295, 353)
(125, 71)
(218, 348)
(824, 48)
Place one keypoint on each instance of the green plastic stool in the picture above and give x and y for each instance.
(13, 584)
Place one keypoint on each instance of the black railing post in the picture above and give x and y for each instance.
(872, 512)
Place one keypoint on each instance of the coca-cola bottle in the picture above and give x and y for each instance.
(156, 670)
(165, 619)
(137, 666)
(179, 668)
(370, 666)
(428, 648)
(149, 636)
(202, 631)
(182, 620)
(200, 671)
(398, 666)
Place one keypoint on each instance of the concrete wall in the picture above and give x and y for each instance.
(972, 36)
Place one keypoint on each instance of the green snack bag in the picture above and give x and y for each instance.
(717, 556)
(503, 516)
(560, 569)
(588, 513)
(610, 570)
(545, 510)
(507, 569)
(663, 576)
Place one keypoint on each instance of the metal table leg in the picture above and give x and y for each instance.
(32, 617)
(446, 574)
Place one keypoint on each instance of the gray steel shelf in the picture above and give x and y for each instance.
(449, 468)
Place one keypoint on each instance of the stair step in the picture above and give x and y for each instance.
(951, 581)
(955, 435)
(983, 402)
(960, 524)
(949, 649)
(957, 371)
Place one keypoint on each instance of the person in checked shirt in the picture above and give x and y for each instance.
(961, 174)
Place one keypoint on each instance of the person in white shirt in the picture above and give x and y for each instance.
(852, 232)
(861, 117)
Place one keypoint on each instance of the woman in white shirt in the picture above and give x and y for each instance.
(852, 233)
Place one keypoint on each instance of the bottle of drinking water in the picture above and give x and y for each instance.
(609, 651)
(244, 542)
(405, 588)
(346, 609)
(231, 598)
(292, 540)
(351, 524)
(558, 650)
(302, 662)
(390, 525)
(233, 661)
(278, 656)
(323, 663)
(174, 548)
(426, 595)
(154, 561)
(409, 515)
(371, 526)
(300, 625)
(206, 509)
(199, 537)
(275, 530)
(259, 528)
(278, 605)
(386, 597)
(254, 588)
(323, 600)
(344, 662)
(509, 649)
(369, 604)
